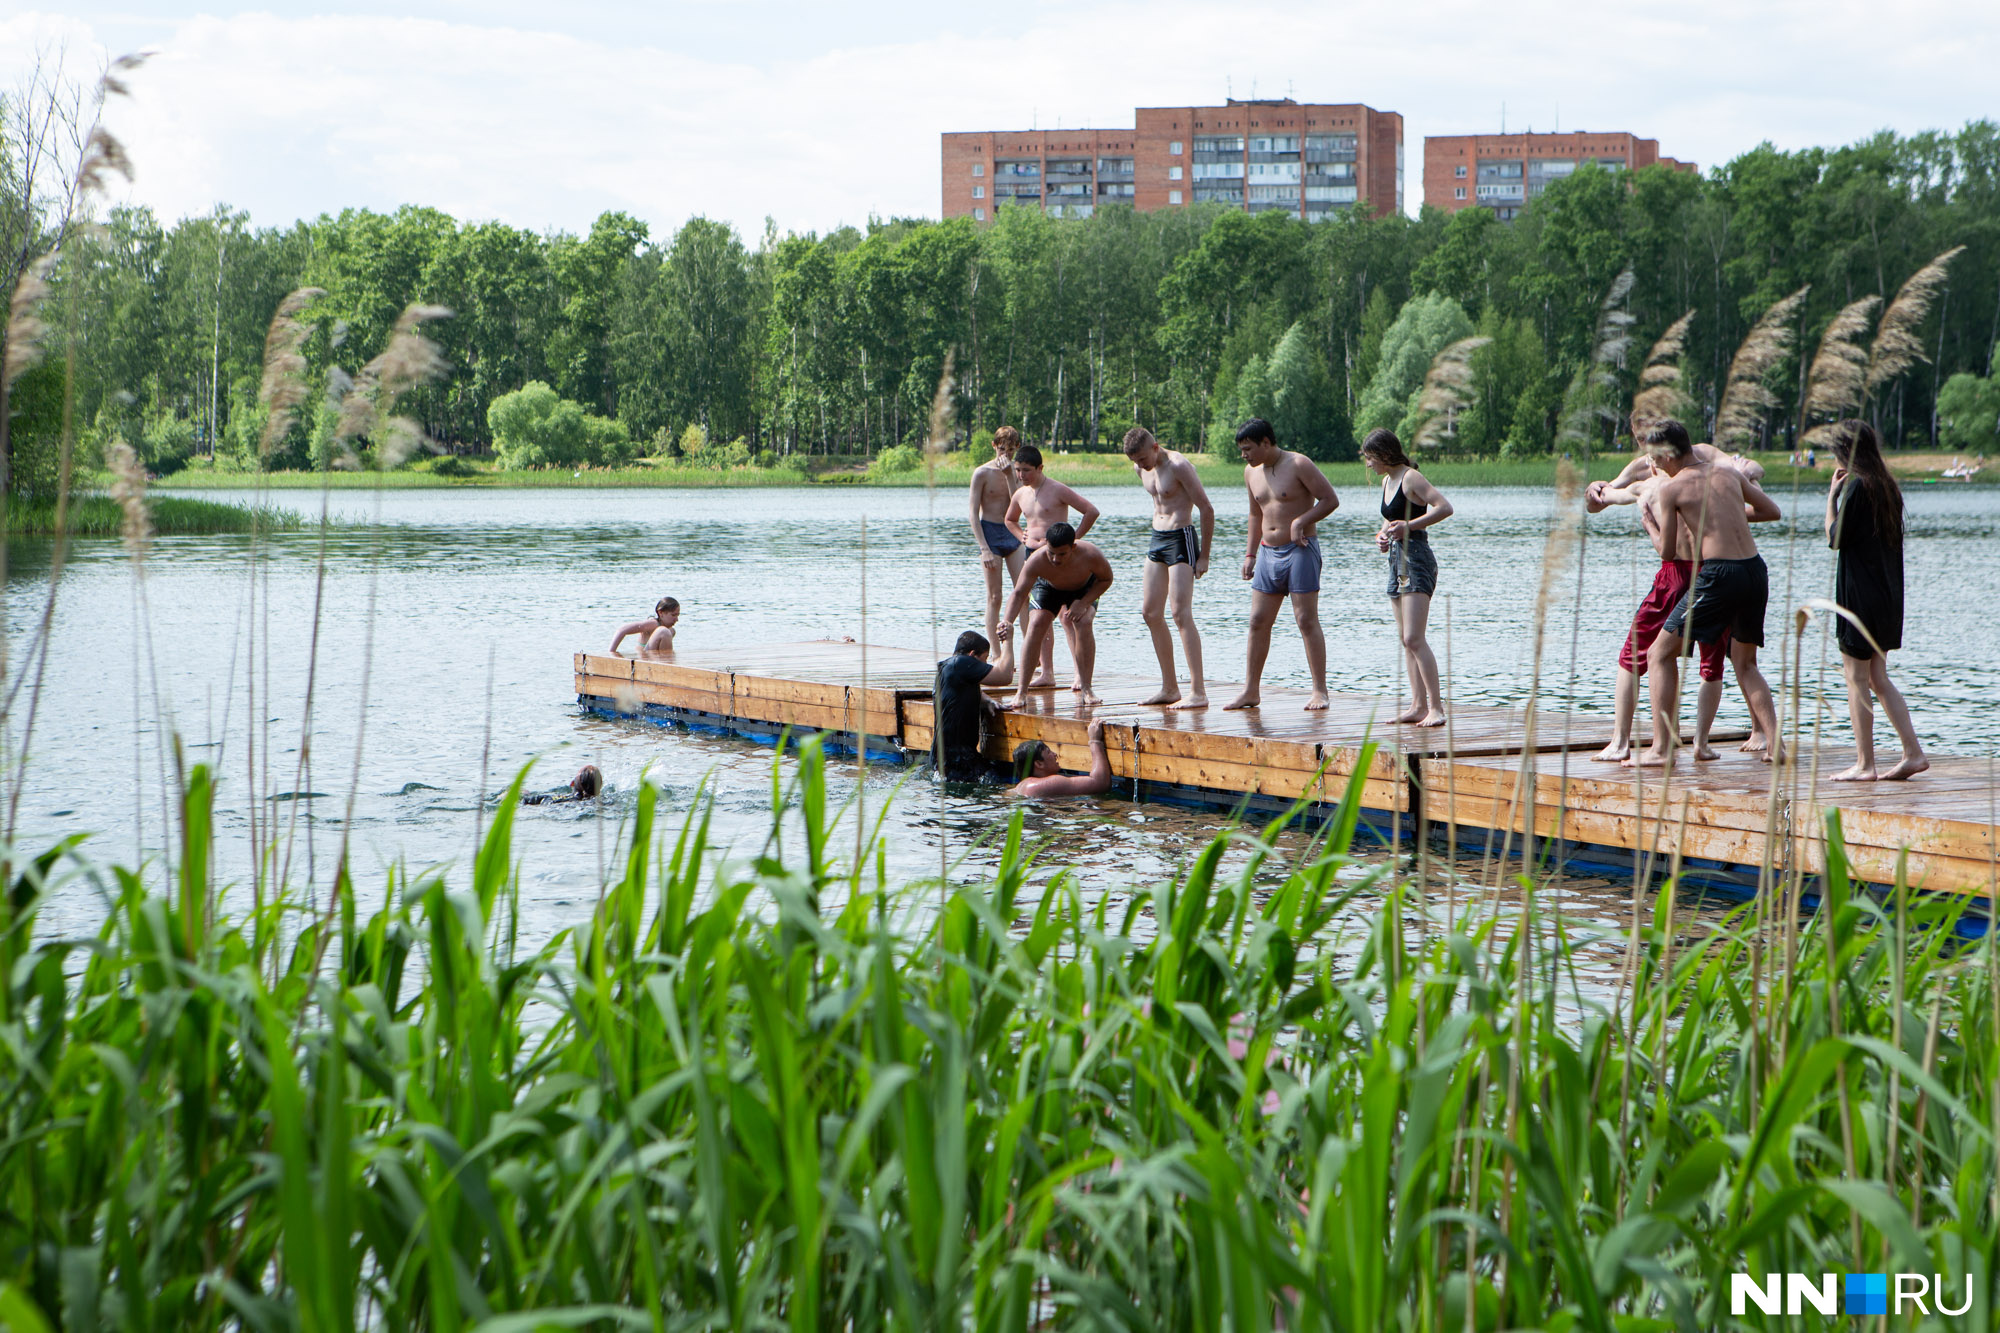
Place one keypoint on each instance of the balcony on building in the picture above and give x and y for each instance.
(1029, 168)
(1066, 169)
(1112, 191)
(1330, 147)
(1114, 168)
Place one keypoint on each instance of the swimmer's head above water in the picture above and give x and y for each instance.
(1032, 759)
(588, 782)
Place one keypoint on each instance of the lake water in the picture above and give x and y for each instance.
(447, 619)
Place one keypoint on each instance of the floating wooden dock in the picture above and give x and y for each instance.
(1495, 776)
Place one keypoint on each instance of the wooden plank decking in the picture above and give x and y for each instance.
(1472, 778)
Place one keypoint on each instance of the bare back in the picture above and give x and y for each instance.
(992, 484)
(1710, 501)
(1172, 486)
(1283, 491)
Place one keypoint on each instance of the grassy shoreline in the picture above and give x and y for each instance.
(172, 516)
(1081, 470)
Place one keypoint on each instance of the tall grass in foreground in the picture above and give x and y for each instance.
(795, 1097)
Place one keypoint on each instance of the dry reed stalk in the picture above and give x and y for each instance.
(1660, 393)
(1597, 382)
(128, 488)
(1745, 399)
(284, 386)
(1896, 347)
(1447, 391)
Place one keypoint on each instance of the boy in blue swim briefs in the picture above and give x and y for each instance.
(1288, 498)
(993, 484)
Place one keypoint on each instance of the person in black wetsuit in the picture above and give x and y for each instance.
(1864, 525)
(963, 709)
(1410, 504)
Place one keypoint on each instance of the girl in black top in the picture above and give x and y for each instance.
(1410, 504)
(1864, 524)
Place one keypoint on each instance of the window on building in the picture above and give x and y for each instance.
(979, 215)
(1173, 173)
(1173, 196)
(1458, 193)
(1458, 171)
(1174, 148)
(979, 169)
(979, 192)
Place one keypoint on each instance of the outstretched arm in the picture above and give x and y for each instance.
(1017, 601)
(627, 631)
(1002, 671)
(1094, 783)
(1598, 495)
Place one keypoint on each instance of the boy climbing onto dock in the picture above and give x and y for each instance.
(656, 635)
(993, 484)
(1706, 508)
(1175, 558)
(1039, 502)
(1288, 498)
(1064, 578)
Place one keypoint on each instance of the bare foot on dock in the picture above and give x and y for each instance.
(1909, 768)
(1434, 718)
(1090, 697)
(1076, 687)
(1653, 757)
(1413, 715)
(1319, 703)
(1754, 744)
(1247, 699)
(1855, 773)
(1705, 751)
(1614, 753)
(1042, 680)
(1014, 702)
(1165, 696)
(1193, 702)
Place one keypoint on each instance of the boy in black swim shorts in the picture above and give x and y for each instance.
(1065, 577)
(1176, 555)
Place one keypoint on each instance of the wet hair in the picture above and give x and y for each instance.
(1136, 439)
(664, 605)
(1256, 428)
(971, 642)
(1382, 443)
(1060, 534)
(1025, 755)
(1858, 448)
(1007, 437)
(1654, 433)
(588, 781)
(1027, 455)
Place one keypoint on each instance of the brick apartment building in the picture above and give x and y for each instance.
(1504, 171)
(1310, 160)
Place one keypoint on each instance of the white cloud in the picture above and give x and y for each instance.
(289, 116)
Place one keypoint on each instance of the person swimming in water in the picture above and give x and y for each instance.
(1043, 775)
(585, 786)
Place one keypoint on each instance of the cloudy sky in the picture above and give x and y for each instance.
(815, 115)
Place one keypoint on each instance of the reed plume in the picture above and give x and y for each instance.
(24, 320)
(1447, 391)
(128, 488)
(939, 438)
(1660, 393)
(1896, 347)
(284, 386)
(1838, 380)
(1592, 393)
(103, 155)
(1745, 399)
(368, 405)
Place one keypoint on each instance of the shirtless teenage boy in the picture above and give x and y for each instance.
(1064, 578)
(1288, 497)
(1037, 502)
(1041, 773)
(1731, 586)
(1636, 484)
(1177, 557)
(655, 635)
(993, 485)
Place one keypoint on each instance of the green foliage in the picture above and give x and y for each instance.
(167, 445)
(1969, 413)
(534, 427)
(896, 460)
(1425, 326)
(781, 1091)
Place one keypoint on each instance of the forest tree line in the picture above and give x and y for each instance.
(1070, 330)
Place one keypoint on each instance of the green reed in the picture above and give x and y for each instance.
(101, 516)
(791, 1094)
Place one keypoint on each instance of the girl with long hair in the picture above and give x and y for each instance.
(1410, 505)
(1864, 525)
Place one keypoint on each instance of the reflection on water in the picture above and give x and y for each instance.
(447, 620)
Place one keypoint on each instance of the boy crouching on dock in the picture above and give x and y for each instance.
(655, 635)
